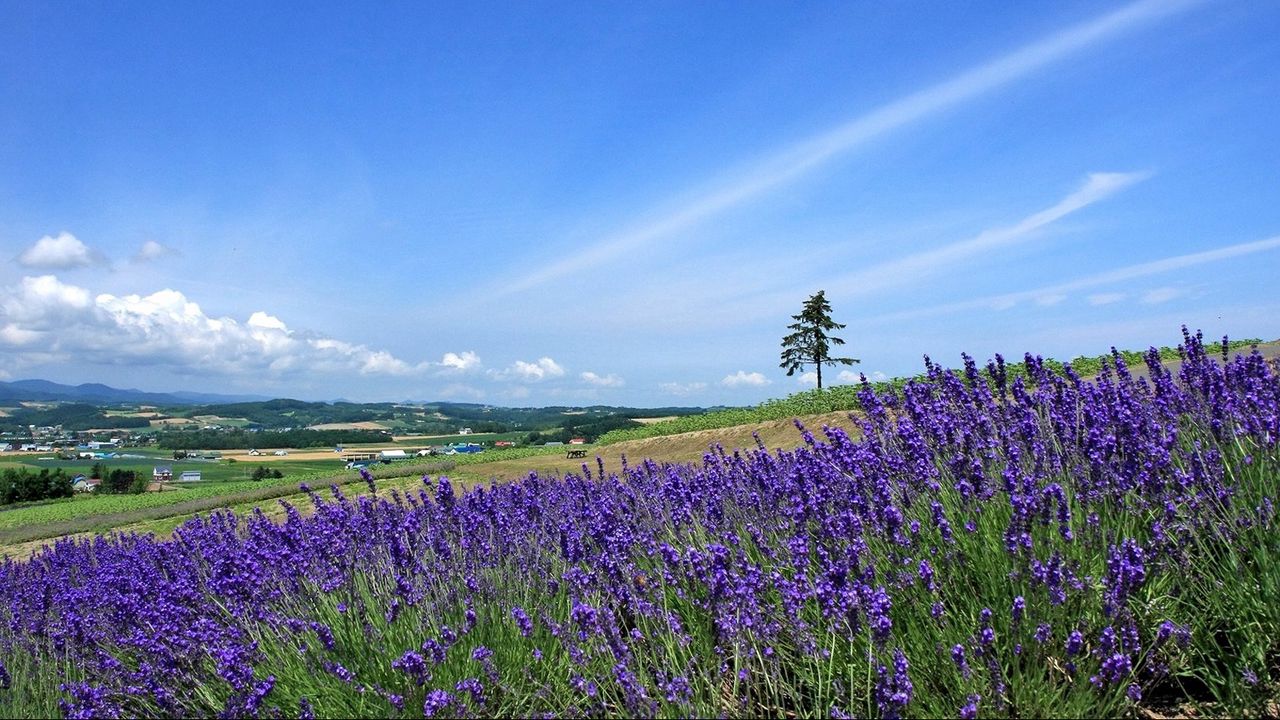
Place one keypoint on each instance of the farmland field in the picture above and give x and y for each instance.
(1034, 546)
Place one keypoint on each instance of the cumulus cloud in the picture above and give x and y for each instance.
(808, 378)
(543, 369)
(464, 362)
(744, 378)
(58, 253)
(682, 389)
(609, 380)
(152, 250)
(849, 377)
(45, 318)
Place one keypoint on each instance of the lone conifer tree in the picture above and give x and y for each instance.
(809, 343)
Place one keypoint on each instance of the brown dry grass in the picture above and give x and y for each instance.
(685, 447)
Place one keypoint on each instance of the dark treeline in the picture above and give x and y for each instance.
(241, 439)
(20, 485)
(118, 481)
(587, 429)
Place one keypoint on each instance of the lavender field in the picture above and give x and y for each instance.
(985, 548)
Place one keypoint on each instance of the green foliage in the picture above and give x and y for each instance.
(810, 341)
(263, 472)
(120, 481)
(18, 485)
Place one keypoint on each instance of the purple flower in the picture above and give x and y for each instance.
(970, 709)
(435, 702)
(893, 690)
(414, 665)
(958, 657)
(473, 687)
(522, 621)
(1075, 643)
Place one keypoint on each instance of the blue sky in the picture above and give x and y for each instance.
(622, 203)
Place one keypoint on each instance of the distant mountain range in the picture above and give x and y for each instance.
(43, 390)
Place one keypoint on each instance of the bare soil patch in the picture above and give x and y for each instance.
(363, 425)
(652, 420)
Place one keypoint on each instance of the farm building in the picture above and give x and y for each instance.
(162, 473)
(393, 455)
(189, 476)
(578, 441)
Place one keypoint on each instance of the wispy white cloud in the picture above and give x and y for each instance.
(742, 378)
(1118, 275)
(921, 265)
(682, 389)
(1107, 298)
(800, 159)
(609, 380)
(1160, 295)
(61, 252)
(43, 318)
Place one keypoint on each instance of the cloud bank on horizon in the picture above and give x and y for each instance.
(640, 231)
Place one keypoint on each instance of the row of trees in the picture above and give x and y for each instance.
(587, 429)
(22, 485)
(118, 481)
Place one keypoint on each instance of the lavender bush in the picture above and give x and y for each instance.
(1045, 546)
